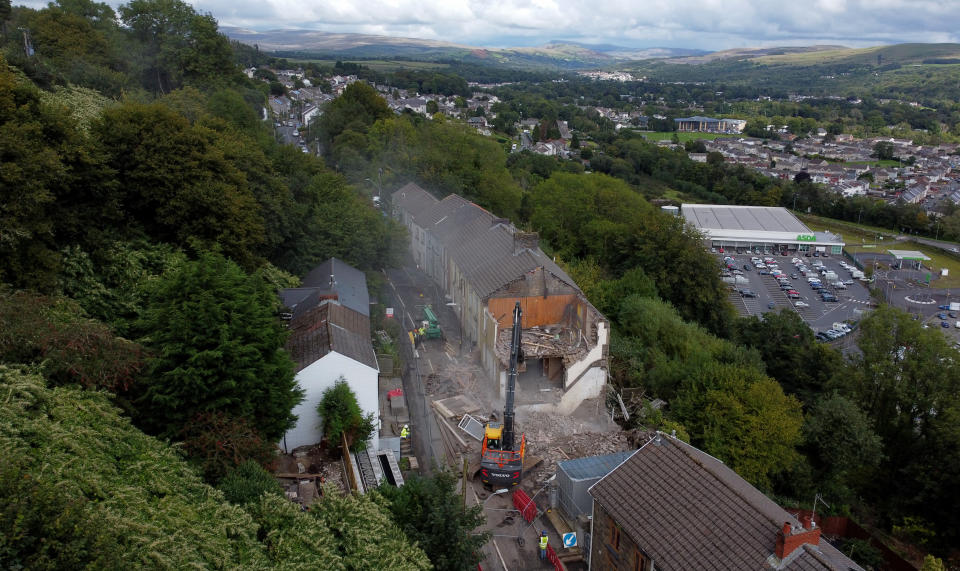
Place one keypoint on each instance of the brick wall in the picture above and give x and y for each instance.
(611, 548)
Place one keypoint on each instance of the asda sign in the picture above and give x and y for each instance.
(806, 238)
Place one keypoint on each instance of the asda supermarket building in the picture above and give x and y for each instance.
(764, 229)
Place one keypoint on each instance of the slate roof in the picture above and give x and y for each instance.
(412, 198)
(688, 510)
(328, 328)
(481, 244)
(350, 284)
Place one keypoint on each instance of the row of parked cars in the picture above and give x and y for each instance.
(815, 277)
(839, 330)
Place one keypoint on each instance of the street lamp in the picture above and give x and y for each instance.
(495, 493)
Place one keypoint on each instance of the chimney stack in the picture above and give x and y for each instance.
(525, 241)
(789, 540)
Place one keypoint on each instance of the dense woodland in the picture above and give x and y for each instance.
(147, 216)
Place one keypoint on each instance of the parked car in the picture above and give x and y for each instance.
(764, 272)
(748, 293)
(847, 282)
(793, 294)
(828, 297)
(794, 276)
(945, 325)
(952, 315)
(833, 334)
(822, 336)
(942, 316)
(747, 267)
(943, 307)
(771, 305)
(801, 304)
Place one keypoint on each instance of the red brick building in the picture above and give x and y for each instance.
(672, 507)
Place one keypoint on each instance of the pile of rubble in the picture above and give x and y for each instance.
(555, 438)
(568, 344)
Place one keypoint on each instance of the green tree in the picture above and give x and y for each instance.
(218, 347)
(53, 334)
(177, 185)
(5, 11)
(842, 444)
(367, 537)
(883, 150)
(340, 415)
(77, 477)
(743, 418)
(787, 347)
(177, 46)
(356, 109)
(432, 107)
(247, 483)
(431, 513)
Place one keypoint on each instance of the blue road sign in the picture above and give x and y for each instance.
(570, 539)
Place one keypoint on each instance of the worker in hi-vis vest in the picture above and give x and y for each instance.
(543, 544)
(405, 431)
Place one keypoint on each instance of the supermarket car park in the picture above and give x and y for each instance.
(807, 285)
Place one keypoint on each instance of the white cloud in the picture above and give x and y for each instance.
(706, 24)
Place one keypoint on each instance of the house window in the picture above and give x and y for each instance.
(641, 562)
(614, 536)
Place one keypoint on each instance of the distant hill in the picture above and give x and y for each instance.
(913, 72)
(562, 54)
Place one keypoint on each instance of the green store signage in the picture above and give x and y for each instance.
(806, 238)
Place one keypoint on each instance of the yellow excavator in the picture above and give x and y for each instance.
(501, 463)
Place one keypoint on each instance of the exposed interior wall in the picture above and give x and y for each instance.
(595, 355)
(538, 311)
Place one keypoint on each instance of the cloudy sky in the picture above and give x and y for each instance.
(702, 24)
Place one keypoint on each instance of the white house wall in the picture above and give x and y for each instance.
(317, 378)
(576, 370)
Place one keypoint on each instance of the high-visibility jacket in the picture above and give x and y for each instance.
(404, 432)
(543, 542)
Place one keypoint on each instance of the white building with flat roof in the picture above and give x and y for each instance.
(764, 229)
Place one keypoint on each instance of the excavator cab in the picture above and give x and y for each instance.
(492, 436)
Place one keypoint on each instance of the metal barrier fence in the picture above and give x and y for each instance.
(524, 505)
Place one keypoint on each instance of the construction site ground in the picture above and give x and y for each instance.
(448, 370)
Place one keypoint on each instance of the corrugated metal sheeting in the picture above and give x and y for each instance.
(574, 478)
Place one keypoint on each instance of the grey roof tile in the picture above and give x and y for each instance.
(481, 244)
(348, 282)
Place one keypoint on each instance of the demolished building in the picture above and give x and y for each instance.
(484, 264)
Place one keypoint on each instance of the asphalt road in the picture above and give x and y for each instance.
(410, 290)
